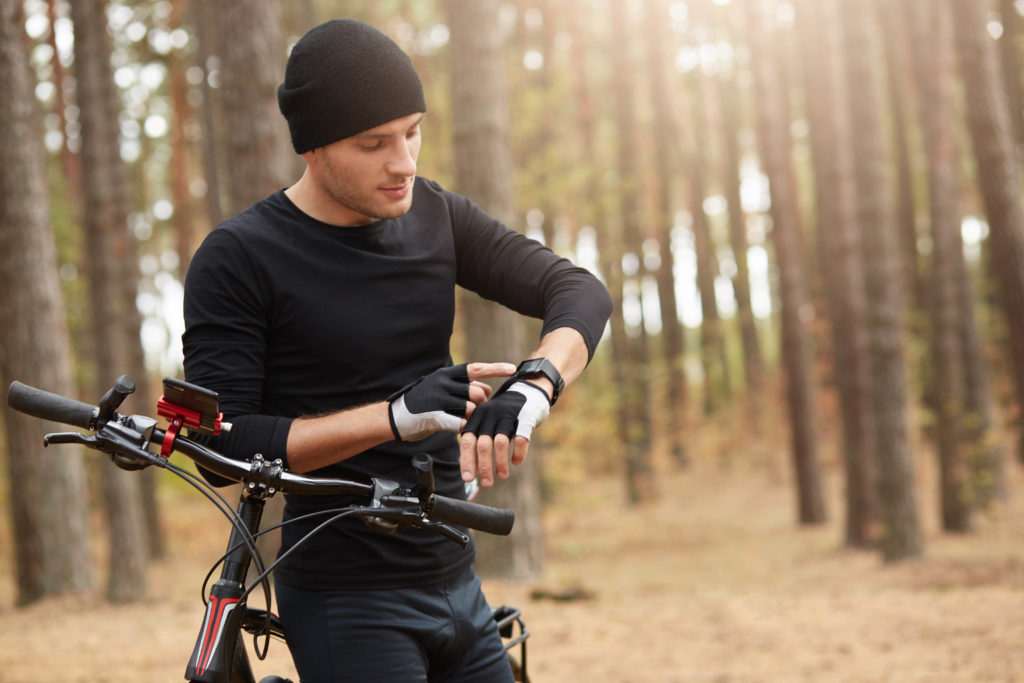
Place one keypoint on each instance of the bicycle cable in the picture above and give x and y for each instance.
(220, 502)
(263, 579)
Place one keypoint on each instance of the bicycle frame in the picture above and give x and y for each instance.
(219, 655)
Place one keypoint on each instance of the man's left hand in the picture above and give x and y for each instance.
(498, 432)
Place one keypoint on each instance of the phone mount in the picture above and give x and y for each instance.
(192, 406)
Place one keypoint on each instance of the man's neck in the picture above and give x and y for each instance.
(311, 200)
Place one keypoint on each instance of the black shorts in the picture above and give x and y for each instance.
(426, 634)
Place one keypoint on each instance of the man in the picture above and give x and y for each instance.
(322, 315)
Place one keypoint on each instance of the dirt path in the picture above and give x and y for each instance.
(717, 585)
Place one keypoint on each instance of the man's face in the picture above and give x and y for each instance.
(370, 176)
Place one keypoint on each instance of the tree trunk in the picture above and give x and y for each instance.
(204, 16)
(484, 174)
(732, 115)
(960, 430)
(773, 133)
(71, 164)
(713, 356)
(840, 245)
(899, 92)
(901, 534)
(186, 231)
(1010, 60)
(258, 153)
(933, 54)
(984, 454)
(47, 488)
(595, 211)
(997, 171)
(753, 365)
(666, 156)
(711, 338)
(630, 188)
(631, 356)
(111, 263)
(540, 146)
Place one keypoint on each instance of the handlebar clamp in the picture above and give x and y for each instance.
(264, 477)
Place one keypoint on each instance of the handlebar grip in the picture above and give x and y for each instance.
(492, 520)
(47, 406)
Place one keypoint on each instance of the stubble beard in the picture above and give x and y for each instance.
(374, 210)
(344, 192)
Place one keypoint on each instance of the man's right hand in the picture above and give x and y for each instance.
(442, 400)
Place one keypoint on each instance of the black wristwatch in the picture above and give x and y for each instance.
(535, 367)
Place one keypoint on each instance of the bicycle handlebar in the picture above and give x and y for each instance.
(273, 476)
(491, 520)
(134, 433)
(53, 407)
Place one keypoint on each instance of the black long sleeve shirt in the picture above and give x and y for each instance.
(286, 316)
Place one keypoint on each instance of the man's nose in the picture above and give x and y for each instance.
(403, 161)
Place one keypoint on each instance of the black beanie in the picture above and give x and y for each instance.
(344, 77)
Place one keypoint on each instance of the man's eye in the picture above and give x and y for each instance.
(371, 146)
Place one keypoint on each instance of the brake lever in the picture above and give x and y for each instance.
(445, 530)
(70, 437)
(404, 504)
(124, 445)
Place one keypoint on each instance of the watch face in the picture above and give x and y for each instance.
(541, 366)
(533, 366)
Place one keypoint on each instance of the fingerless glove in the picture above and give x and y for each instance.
(516, 410)
(433, 403)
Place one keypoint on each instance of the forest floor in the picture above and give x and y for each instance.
(711, 582)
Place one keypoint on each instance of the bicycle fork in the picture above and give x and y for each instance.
(219, 655)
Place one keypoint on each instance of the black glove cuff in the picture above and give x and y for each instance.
(391, 416)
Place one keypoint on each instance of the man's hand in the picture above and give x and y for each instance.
(505, 422)
(442, 400)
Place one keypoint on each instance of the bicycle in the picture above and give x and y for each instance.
(220, 654)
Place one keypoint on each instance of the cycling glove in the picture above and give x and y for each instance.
(516, 410)
(434, 402)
